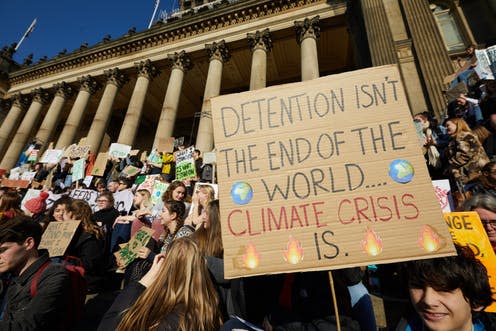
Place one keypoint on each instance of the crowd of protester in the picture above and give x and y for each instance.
(177, 281)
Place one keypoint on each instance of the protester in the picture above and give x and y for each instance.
(56, 212)
(485, 206)
(449, 293)
(10, 205)
(201, 197)
(113, 186)
(105, 217)
(176, 294)
(36, 207)
(19, 254)
(88, 244)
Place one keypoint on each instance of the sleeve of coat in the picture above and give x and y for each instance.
(465, 150)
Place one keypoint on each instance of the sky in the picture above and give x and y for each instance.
(68, 23)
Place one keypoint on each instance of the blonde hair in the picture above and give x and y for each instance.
(461, 125)
(209, 191)
(210, 240)
(182, 287)
(146, 195)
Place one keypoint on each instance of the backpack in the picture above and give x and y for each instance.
(77, 292)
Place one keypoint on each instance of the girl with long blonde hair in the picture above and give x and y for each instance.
(201, 198)
(176, 294)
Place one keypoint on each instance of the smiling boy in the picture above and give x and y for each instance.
(450, 294)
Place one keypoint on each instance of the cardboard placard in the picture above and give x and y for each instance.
(119, 151)
(74, 151)
(130, 171)
(78, 170)
(28, 175)
(178, 142)
(86, 195)
(100, 164)
(129, 252)
(58, 236)
(15, 183)
(148, 183)
(467, 230)
(323, 174)
(166, 145)
(52, 156)
(123, 200)
(134, 152)
(454, 92)
(185, 164)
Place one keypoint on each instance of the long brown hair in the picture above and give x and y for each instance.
(10, 201)
(81, 211)
(168, 193)
(177, 207)
(182, 287)
(210, 240)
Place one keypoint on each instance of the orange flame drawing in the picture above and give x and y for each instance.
(429, 240)
(251, 258)
(294, 253)
(372, 243)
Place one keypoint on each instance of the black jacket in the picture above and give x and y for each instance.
(44, 310)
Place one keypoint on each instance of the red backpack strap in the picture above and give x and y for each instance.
(36, 278)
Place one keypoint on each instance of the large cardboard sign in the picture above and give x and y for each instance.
(185, 164)
(129, 252)
(323, 174)
(87, 195)
(166, 145)
(58, 236)
(467, 230)
(74, 151)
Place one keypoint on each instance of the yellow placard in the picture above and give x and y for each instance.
(467, 230)
(324, 174)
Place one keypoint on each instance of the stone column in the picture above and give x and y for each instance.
(430, 50)
(260, 43)
(307, 32)
(218, 54)
(181, 63)
(146, 72)
(40, 98)
(88, 87)
(115, 80)
(52, 117)
(10, 123)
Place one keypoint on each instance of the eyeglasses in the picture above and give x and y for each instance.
(491, 223)
(101, 200)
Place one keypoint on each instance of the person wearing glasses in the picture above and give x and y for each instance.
(105, 216)
(485, 206)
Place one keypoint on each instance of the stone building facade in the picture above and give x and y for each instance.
(150, 85)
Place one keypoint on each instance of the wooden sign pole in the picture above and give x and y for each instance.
(334, 301)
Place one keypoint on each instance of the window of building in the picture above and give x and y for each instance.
(450, 31)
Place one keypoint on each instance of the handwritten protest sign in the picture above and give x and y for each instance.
(178, 142)
(74, 151)
(158, 189)
(119, 150)
(185, 164)
(166, 145)
(209, 158)
(33, 155)
(466, 229)
(442, 189)
(129, 252)
(323, 174)
(123, 200)
(87, 195)
(52, 197)
(78, 170)
(52, 156)
(148, 183)
(28, 175)
(130, 171)
(58, 236)
(100, 164)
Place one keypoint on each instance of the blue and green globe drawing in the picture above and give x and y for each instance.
(401, 171)
(241, 193)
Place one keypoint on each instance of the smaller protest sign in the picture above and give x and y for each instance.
(134, 152)
(148, 183)
(166, 145)
(15, 173)
(100, 164)
(158, 189)
(179, 142)
(442, 189)
(28, 175)
(87, 180)
(58, 236)
(185, 164)
(454, 92)
(18, 183)
(466, 230)
(52, 197)
(130, 171)
(129, 252)
(123, 200)
(87, 195)
(119, 151)
(485, 65)
(33, 155)
(154, 157)
(52, 156)
(74, 151)
(209, 158)
(78, 170)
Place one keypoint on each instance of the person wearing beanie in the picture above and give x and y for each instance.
(36, 207)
